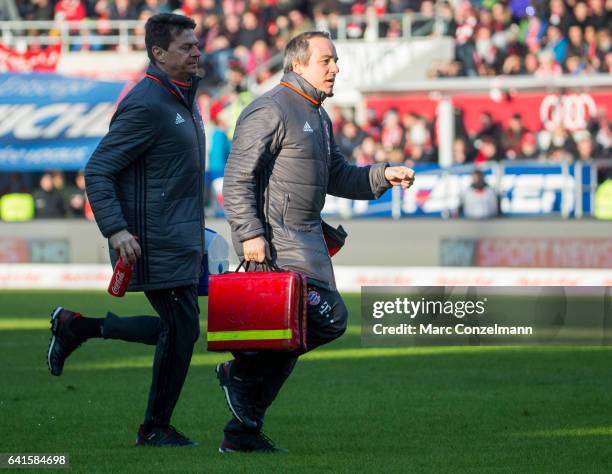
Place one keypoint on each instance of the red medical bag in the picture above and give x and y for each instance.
(257, 310)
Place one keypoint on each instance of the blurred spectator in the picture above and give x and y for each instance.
(231, 29)
(70, 10)
(559, 16)
(48, 201)
(123, 10)
(600, 16)
(38, 10)
(299, 23)
(365, 154)
(349, 138)
(489, 128)
(512, 65)
(556, 44)
(424, 25)
(584, 145)
(548, 66)
(600, 127)
(513, 136)
(461, 152)
(372, 126)
(479, 200)
(417, 135)
(392, 132)
(77, 198)
(529, 147)
(531, 64)
(59, 184)
(487, 150)
(251, 31)
(218, 152)
(574, 65)
(235, 97)
(420, 154)
(576, 45)
(14, 183)
(558, 145)
(155, 6)
(258, 56)
(581, 15)
(464, 38)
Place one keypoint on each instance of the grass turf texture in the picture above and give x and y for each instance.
(345, 408)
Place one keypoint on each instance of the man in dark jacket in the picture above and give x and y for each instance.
(144, 182)
(284, 161)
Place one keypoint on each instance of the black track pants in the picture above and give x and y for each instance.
(174, 334)
(327, 319)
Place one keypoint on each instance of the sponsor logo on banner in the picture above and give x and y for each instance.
(49, 121)
(524, 191)
(349, 278)
(544, 253)
(13, 250)
(571, 111)
(527, 252)
(32, 60)
(49, 251)
(17, 250)
(540, 110)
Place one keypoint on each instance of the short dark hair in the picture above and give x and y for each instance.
(298, 48)
(162, 28)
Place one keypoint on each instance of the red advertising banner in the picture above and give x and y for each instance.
(544, 253)
(540, 110)
(13, 250)
(40, 60)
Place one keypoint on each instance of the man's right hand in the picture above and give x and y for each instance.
(256, 250)
(125, 245)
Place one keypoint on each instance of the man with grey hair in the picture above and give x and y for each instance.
(284, 161)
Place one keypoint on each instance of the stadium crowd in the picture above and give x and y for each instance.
(411, 138)
(238, 37)
(539, 37)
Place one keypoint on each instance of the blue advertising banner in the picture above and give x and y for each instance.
(524, 189)
(48, 121)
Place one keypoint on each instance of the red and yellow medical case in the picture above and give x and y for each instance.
(257, 310)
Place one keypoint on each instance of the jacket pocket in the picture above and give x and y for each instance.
(285, 208)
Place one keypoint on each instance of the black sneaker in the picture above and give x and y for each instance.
(63, 341)
(163, 437)
(256, 442)
(238, 394)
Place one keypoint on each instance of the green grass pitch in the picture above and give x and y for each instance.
(345, 409)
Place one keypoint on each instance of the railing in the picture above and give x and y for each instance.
(372, 23)
(412, 24)
(122, 34)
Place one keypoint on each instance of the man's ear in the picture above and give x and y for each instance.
(159, 54)
(298, 68)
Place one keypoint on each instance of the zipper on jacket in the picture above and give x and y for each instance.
(326, 135)
(201, 177)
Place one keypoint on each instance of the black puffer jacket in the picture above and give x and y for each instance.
(146, 176)
(284, 161)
